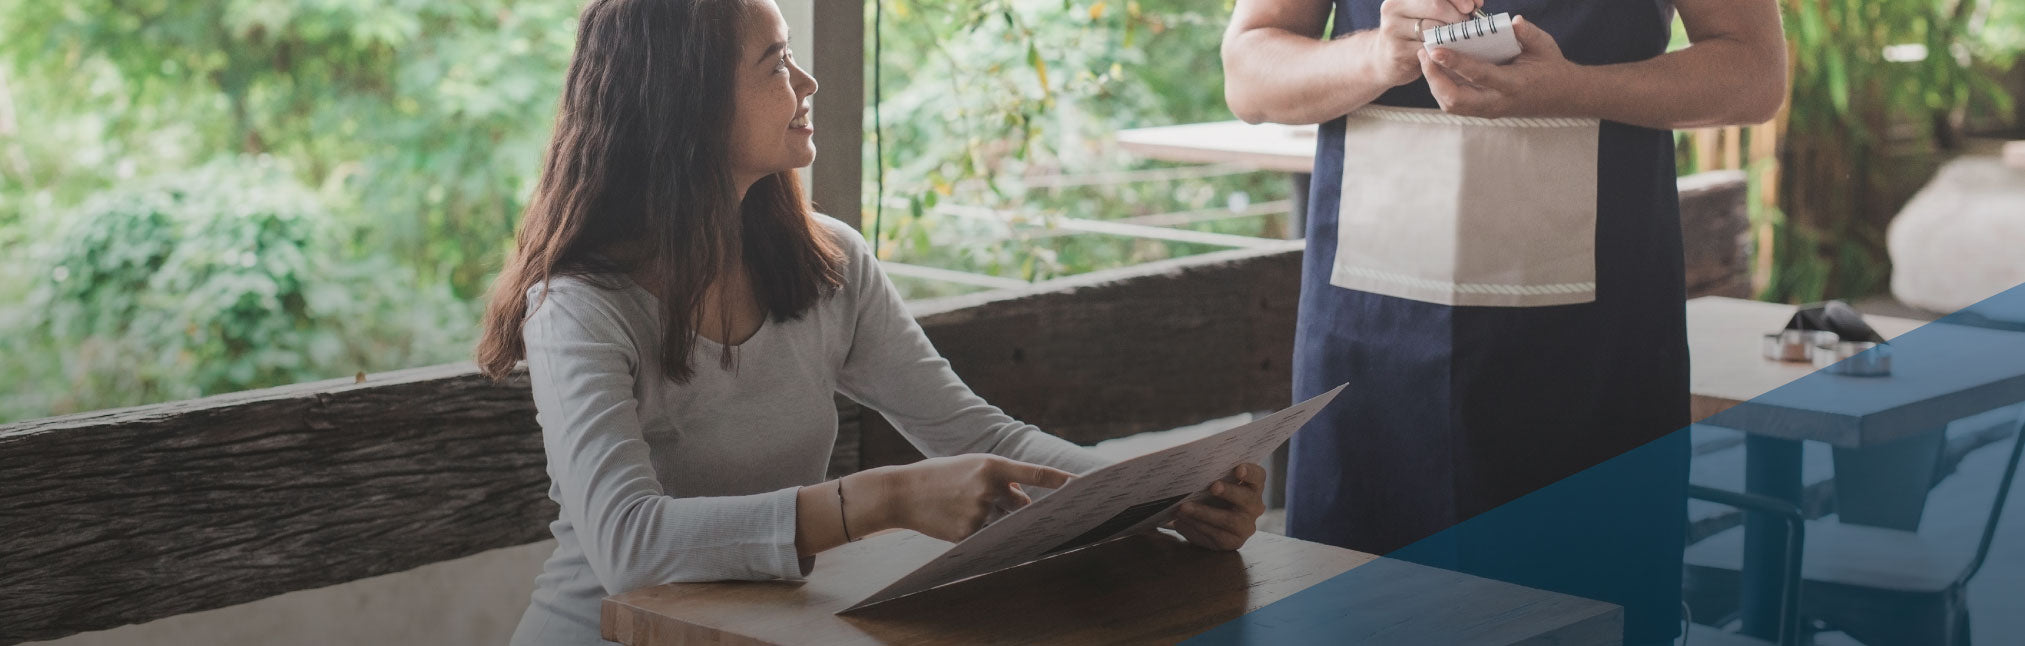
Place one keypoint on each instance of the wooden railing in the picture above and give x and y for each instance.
(123, 516)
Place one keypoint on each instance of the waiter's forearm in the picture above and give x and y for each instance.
(1280, 76)
(1733, 73)
(1715, 82)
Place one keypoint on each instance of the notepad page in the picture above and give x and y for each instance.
(1488, 39)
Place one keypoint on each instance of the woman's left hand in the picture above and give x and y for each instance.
(1229, 517)
(1535, 84)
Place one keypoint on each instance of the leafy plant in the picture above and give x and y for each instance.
(224, 278)
(994, 104)
(1858, 124)
(427, 117)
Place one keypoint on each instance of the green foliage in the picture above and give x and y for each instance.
(416, 126)
(1998, 31)
(981, 100)
(403, 136)
(1854, 114)
(1843, 82)
(224, 278)
(434, 111)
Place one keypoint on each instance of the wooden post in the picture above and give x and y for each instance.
(1707, 141)
(838, 61)
(1768, 193)
(1733, 147)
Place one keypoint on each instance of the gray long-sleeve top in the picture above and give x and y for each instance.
(660, 482)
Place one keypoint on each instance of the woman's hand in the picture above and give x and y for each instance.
(1397, 38)
(1231, 514)
(951, 497)
(1533, 85)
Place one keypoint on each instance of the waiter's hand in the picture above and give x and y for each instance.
(1534, 84)
(1230, 516)
(1398, 37)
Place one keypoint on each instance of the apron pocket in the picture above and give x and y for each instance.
(1467, 211)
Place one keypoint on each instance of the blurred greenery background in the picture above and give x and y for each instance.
(202, 197)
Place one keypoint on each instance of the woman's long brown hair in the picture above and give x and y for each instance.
(635, 180)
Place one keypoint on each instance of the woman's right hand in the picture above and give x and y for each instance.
(1397, 38)
(950, 498)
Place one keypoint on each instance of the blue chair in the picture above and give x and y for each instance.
(1883, 587)
(1790, 567)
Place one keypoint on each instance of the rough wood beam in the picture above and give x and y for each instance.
(1119, 352)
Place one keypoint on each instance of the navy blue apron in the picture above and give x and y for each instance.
(1454, 410)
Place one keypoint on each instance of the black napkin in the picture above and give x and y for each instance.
(1834, 316)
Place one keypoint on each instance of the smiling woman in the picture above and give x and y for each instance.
(605, 203)
(669, 223)
(772, 124)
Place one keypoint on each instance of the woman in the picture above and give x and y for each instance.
(1494, 264)
(686, 320)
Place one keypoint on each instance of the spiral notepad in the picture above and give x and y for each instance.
(1489, 38)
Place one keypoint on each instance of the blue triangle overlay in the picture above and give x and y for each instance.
(1972, 360)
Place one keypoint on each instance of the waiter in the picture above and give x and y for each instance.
(1494, 265)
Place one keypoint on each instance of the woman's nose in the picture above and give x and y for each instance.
(808, 84)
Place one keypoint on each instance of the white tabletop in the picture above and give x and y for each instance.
(1940, 372)
(1288, 149)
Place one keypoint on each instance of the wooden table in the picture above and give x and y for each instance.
(1142, 589)
(1268, 146)
(1940, 373)
(1726, 369)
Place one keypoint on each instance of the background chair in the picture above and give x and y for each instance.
(1883, 587)
(1789, 594)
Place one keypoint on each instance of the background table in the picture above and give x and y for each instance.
(1142, 589)
(1726, 368)
(1943, 373)
(1268, 146)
